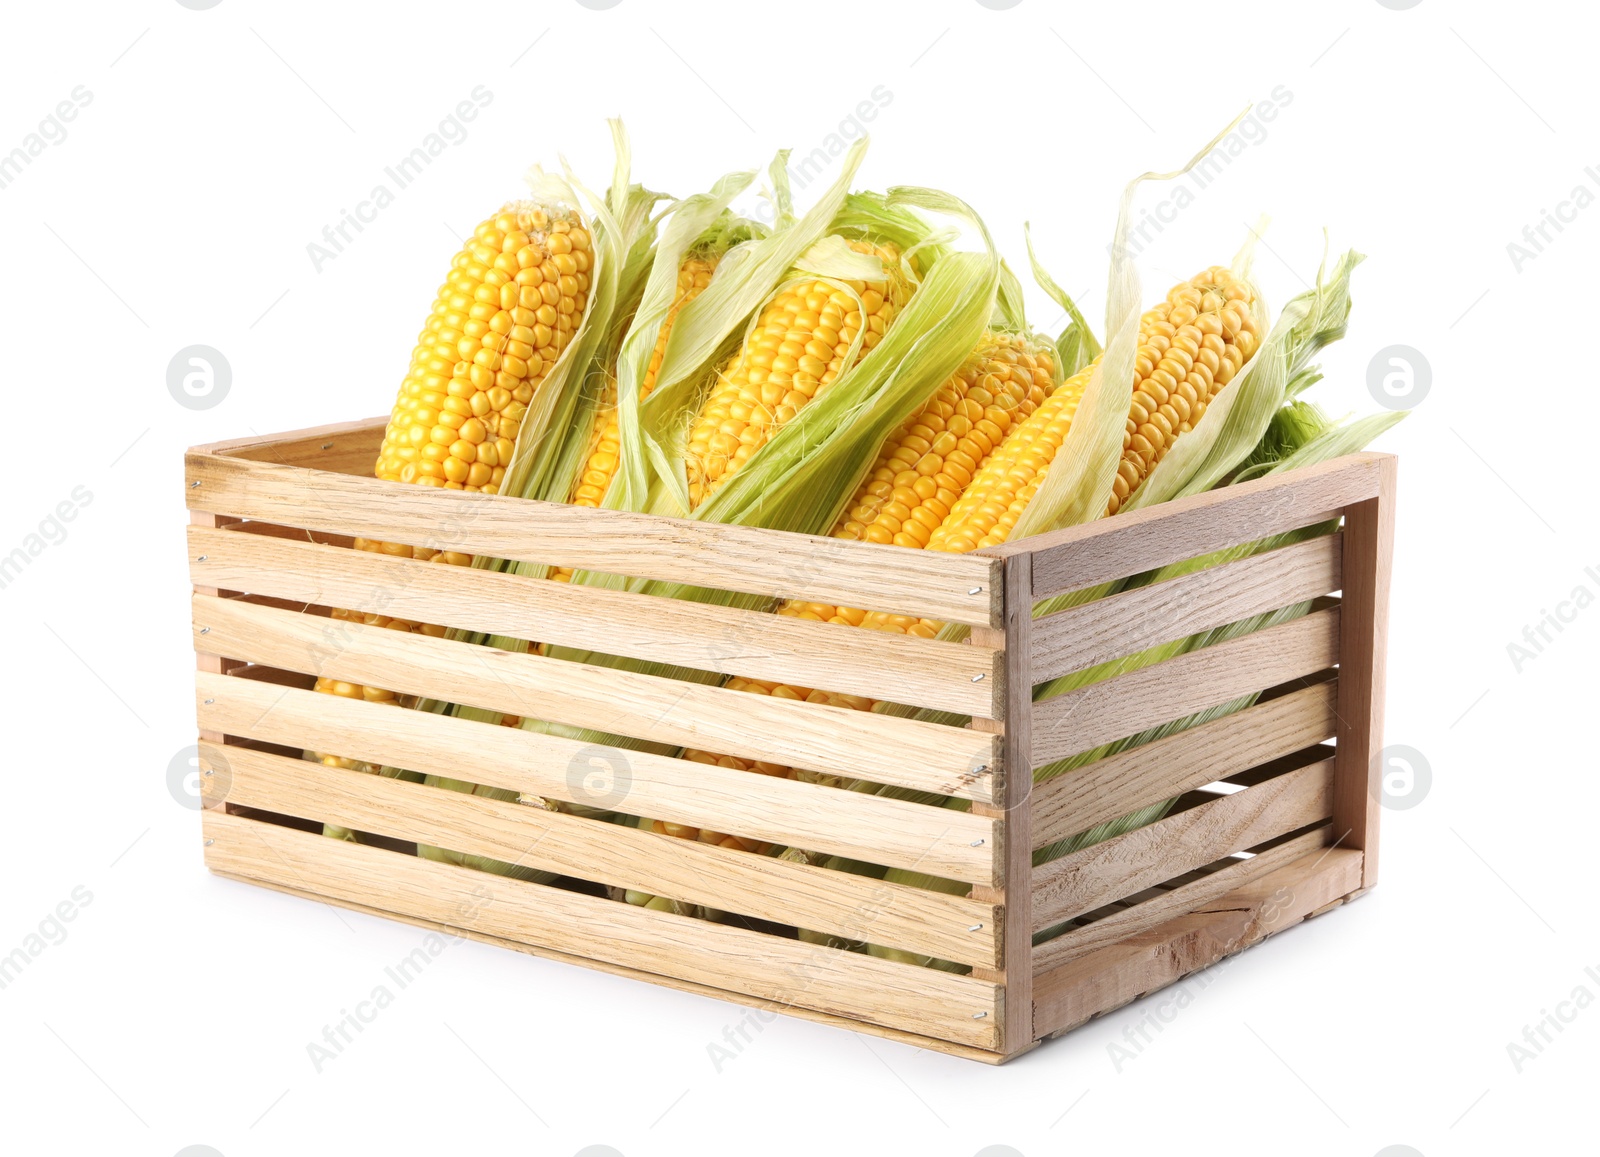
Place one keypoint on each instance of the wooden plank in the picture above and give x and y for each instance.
(344, 447)
(205, 659)
(1165, 905)
(921, 1000)
(930, 584)
(1363, 646)
(855, 907)
(914, 1040)
(1066, 996)
(1127, 623)
(859, 744)
(1015, 897)
(1140, 540)
(1085, 880)
(879, 830)
(1078, 800)
(924, 672)
(1128, 704)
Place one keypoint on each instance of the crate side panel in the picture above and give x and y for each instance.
(920, 1000)
(929, 584)
(1127, 704)
(1126, 623)
(1121, 784)
(1067, 996)
(1119, 867)
(924, 672)
(858, 744)
(785, 812)
(855, 907)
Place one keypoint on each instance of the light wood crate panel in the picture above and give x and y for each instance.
(273, 522)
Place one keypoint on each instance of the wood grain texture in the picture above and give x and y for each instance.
(1164, 905)
(1013, 815)
(1128, 704)
(911, 1039)
(1140, 540)
(1119, 784)
(344, 447)
(1066, 996)
(930, 584)
(1364, 640)
(920, 1000)
(1127, 623)
(858, 744)
(855, 907)
(1118, 867)
(924, 672)
(864, 827)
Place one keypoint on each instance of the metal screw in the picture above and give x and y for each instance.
(209, 702)
(974, 928)
(977, 678)
(210, 771)
(980, 769)
(194, 485)
(979, 1015)
(975, 591)
(327, 445)
(210, 842)
(205, 630)
(202, 558)
(974, 844)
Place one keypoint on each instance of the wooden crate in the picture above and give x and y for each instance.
(1272, 825)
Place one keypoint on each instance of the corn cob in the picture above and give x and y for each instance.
(918, 476)
(796, 350)
(605, 447)
(1204, 331)
(512, 302)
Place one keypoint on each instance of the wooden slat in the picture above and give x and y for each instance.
(1141, 540)
(858, 744)
(1078, 800)
(1065, 997)
(864, 827)
(1164, 905)
(1128, 704)
(1085, 880)
(1369, 551)
(1127, 623)
(921, 1000)
(924, 672)
(855, 907)
(931, 584)
(914, 1040)
(1015, 898)
(344, 447)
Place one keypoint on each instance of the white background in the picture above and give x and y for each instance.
(178, 209)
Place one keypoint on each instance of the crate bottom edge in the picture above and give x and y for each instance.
(899, 1035)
